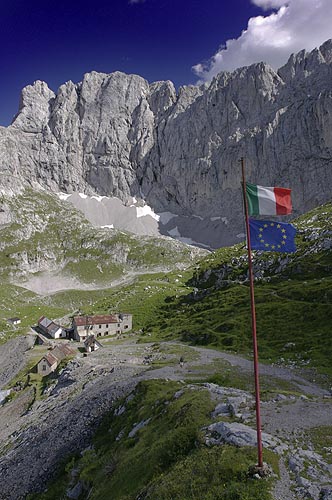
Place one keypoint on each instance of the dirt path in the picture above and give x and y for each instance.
(305, 386)
(282, 489)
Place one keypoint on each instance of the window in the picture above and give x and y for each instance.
(106, 326)
(126, 326)
(119, 325)
(44, 368)
(106, 333)
(99, 326)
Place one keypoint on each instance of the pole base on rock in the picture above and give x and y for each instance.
(260, 472)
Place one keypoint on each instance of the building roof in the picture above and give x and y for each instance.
(13, 320)
(50, 359)
(66, 349)
(91, 340)
(53, 328)
(104, 319)
(45, 322)
(48, 325)
(62, 351)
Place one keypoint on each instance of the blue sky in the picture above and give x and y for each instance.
(179, 40)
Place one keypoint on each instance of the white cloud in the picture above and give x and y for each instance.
(295, 25)
(269, 4)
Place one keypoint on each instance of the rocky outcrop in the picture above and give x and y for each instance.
(116, 135)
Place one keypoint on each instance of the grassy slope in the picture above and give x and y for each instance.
(166, 459)
(46, 234)
(293, 300)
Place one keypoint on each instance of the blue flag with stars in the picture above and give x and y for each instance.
(272, 236)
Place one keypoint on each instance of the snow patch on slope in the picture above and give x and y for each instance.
(137, 217)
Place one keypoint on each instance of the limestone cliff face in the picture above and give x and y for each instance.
(114, 134)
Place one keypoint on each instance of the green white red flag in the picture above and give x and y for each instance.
(268, 200)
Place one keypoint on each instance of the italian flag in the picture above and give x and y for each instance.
(268, 200)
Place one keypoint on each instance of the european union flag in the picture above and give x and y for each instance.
(272, 236)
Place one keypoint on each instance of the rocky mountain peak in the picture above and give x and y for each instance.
(117, 135)
(34, 108)
(305, 65)
(326, 51)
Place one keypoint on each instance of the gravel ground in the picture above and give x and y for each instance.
(13, 357)
(33, 441)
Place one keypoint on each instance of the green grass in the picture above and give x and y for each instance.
(321, 438)
(222, 373)
(93, 271)
(311, 260)
(22, 378)
(29, 379)
(220, 473)
(145, 297)
(222, 319)
(170, 354)
(293, 318)
(167, 457)
(28, 306)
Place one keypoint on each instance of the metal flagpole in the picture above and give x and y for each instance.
(253, 325)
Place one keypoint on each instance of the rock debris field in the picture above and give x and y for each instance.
(35, 437)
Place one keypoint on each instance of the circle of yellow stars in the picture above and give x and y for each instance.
(268, 245)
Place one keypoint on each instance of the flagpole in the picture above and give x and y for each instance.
(253, 325)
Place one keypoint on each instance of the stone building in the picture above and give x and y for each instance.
(52, 358)
(50, 328)
(101, 325)
(47, 364)
(14, 321)
(91, 344)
